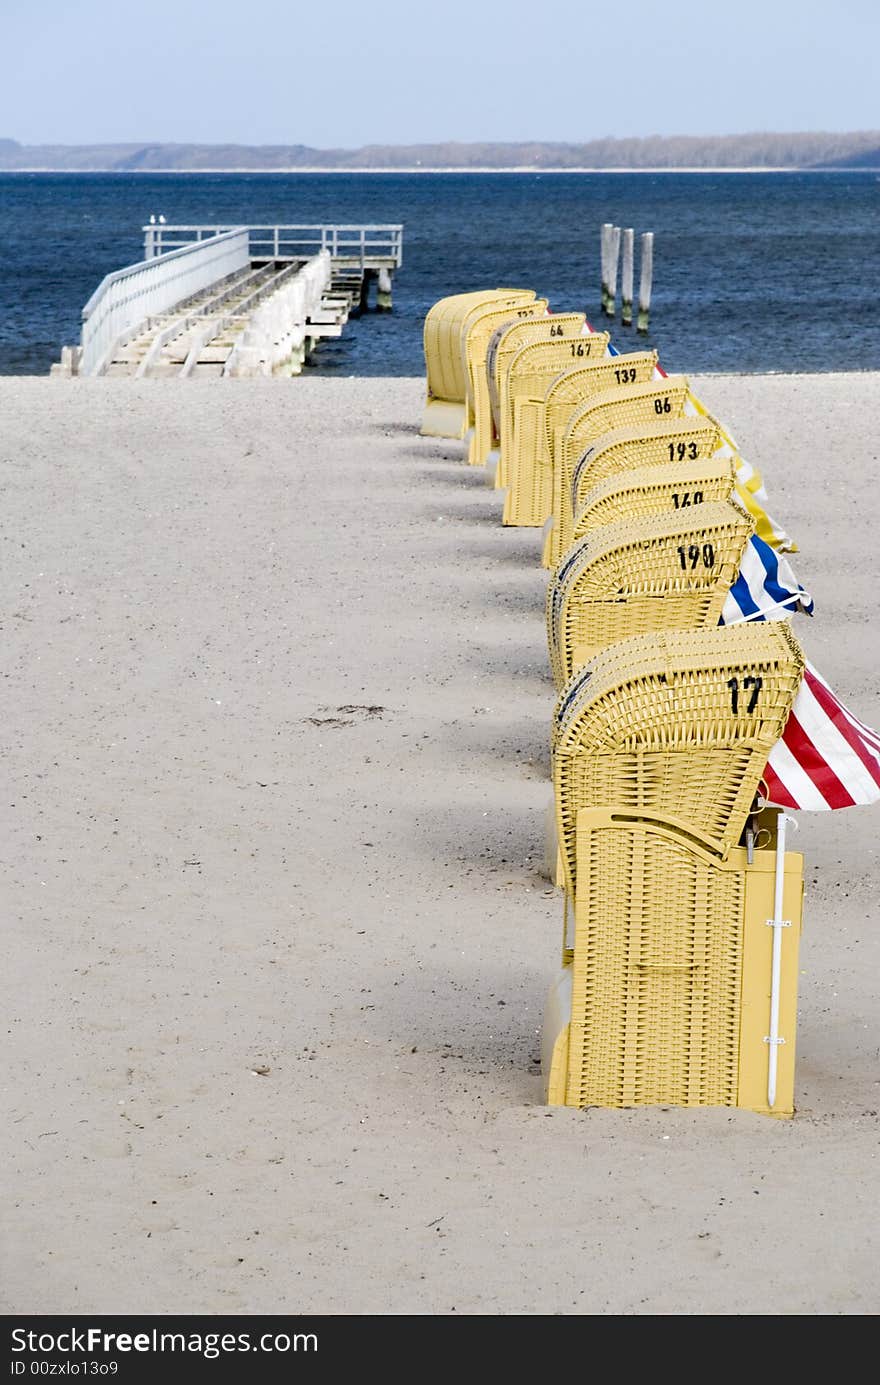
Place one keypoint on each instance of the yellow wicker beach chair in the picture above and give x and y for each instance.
(657, 442)
(653, 490)
(506, 342)
(481, 327)
(628, 406)
(530, 468)
(667, 571)
(678, 723)
(667, 994)
(444, 415)
(530, 373)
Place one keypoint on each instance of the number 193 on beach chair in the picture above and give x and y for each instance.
(627, 406)
(656, 442)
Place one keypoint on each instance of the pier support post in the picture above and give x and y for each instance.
(626, 279)
(383, 291)
(613, 261)
(607, 228)
(647, 271)
(363, 305)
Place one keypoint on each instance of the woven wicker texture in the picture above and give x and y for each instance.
(438, 321)
(476, 337)
(667, 571)
(531, 371)
(573, 388)
(584, 425)
(508, 340)
(657, 968)
(653, 490)
(444, 365)
(679, 723)
(530, 475)
(670, 971)
(655, 443)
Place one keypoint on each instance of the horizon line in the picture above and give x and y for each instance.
(471, 168)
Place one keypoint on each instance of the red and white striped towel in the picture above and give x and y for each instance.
(826, 757)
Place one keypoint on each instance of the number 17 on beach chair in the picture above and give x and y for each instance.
(680, 947)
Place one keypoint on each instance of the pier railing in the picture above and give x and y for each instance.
(128, 297)
(368, 246)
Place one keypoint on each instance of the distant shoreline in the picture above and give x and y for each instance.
(184, 172)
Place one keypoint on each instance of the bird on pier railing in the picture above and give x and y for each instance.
(153, 220)
(161, 221)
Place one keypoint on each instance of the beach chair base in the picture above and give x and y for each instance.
(667, 999)
(548, 546)
(554, 1039)
(551, 867)
(444, 418)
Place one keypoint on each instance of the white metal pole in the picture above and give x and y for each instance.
(626, 278)
(647, 272)
(777, 923)
(607, 228)
(613, 262)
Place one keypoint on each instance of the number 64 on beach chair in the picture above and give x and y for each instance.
(506, 342)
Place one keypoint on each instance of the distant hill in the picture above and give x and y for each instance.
(860, 150)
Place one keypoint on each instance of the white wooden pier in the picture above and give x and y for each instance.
(232, 300)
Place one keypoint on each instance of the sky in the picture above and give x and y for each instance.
(344, 74)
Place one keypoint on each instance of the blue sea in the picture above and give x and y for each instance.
(753, 272)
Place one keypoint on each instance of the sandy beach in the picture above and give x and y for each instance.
(278, 941)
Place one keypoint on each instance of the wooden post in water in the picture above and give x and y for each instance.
(626, 279)
(647, 271)
(383, 291)
(607, 228)
(614, 254)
